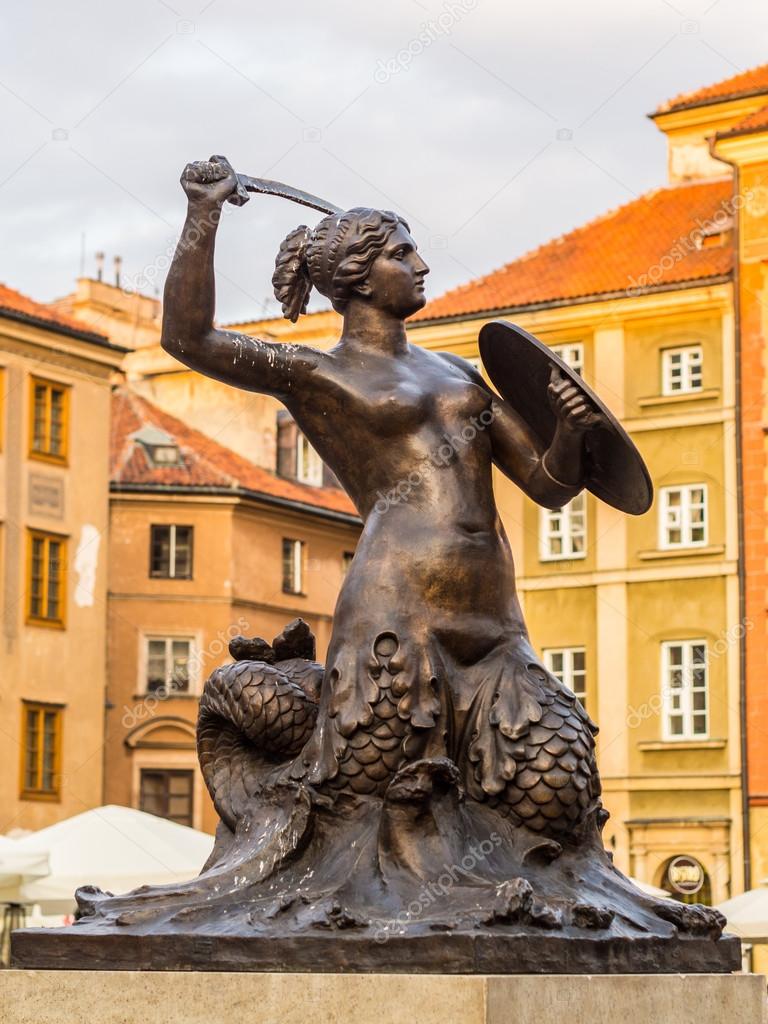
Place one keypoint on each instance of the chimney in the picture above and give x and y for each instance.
(118, 263)
(99, 266)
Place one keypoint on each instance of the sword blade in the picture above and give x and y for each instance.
(277, 188)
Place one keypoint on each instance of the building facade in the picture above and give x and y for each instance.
(646, 617)
(54, 487)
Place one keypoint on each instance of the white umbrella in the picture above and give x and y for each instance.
(116, 848)
(650, 890)
(18, 865)
(747, 915)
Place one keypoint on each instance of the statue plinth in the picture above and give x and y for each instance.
(490, 952)
(105, 997)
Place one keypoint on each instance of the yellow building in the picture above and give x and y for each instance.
(642, 616)
(54, 488)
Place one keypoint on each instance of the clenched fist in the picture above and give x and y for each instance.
(211, 182)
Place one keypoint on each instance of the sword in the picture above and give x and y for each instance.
(246, 184)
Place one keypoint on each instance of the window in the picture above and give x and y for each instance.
(46, 577)
(160, 448)
(681, 370)
(683, 516)
(309, 465)
(293, 566)
(41, 751)
(346, 561)
(168, 664)
(572, 355)
(684, 689)
(167, 794)
(170, 554)
(563, 532)
(50, 411)
(568, 665)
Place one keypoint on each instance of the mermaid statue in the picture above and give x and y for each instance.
(429, 797)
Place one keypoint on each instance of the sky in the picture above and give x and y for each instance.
(491, 125)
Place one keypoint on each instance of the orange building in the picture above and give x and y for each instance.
(55, 378)
(204, 545)
(744, 145)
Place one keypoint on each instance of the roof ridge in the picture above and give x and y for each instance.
(153, 412)
(14, 301)
(757, 121)
(706, 98)
(642, 238)
(211, 459)
(584, 227)
(129, 445)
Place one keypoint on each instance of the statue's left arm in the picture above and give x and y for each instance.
(553, 476)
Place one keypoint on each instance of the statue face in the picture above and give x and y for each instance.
(395, 282)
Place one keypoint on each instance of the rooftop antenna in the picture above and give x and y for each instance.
(99, 266)
(118, 260)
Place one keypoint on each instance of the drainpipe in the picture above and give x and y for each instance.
(742, 555)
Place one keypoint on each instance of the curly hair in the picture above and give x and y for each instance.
(334, 257)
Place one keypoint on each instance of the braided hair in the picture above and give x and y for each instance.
(334, 257)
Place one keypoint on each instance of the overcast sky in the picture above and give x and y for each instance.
(492, 125)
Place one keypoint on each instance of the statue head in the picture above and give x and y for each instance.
(359, 255)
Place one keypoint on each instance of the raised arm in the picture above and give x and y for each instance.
(190, 298)
(552, 476)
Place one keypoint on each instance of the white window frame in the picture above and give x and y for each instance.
(567, 516)
(680, 517)
(572, 354)
(309, 465)
(568, 675)
(297, 558)
(193, 663)
(691, 363)
(685, 692)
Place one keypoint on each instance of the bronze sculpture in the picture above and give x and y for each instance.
(429, 798)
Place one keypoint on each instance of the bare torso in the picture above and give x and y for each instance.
(408, 437)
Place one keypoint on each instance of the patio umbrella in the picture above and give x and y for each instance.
(650, 890)
(747, 915)
(19, 864)
(116, 848)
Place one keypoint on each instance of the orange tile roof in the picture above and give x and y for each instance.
(746, 83)
(205, 463)
(649, 242)
(755, 122)
(14, 302)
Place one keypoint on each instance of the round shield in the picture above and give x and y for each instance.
(520, 368)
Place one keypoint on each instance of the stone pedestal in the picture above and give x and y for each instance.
(176, 997)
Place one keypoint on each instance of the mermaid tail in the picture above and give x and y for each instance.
(529, 746)
(387, 704)
(255, 715)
